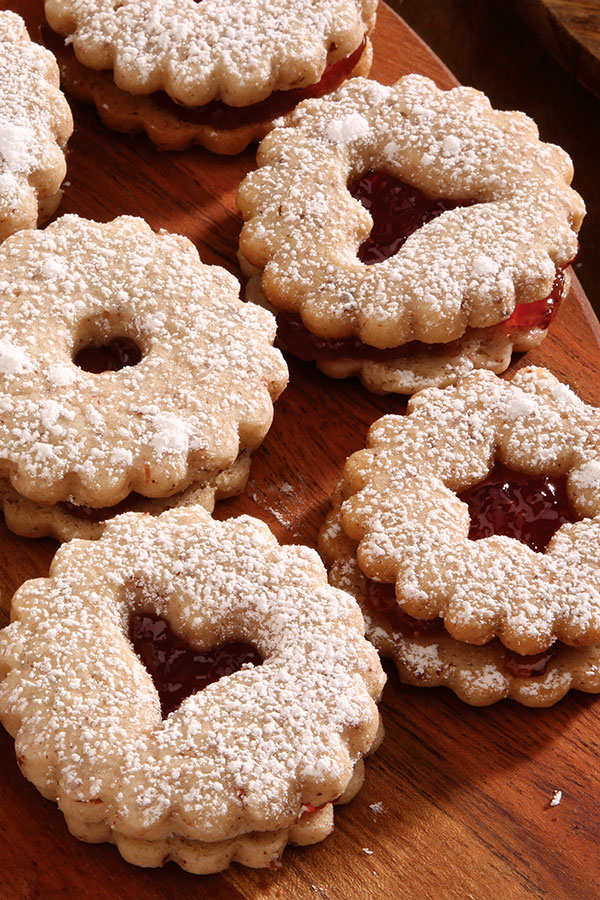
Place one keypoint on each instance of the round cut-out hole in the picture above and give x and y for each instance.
(398, 210)
(112, 356)
(530, 508)
(177, 669)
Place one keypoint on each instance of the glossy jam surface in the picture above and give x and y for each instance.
(398, 210)
(307, 346)
(219, 115)
(381, 597)
(540, 313)
(110, 357)
(530, 666)
(530, 508)
(178, 670)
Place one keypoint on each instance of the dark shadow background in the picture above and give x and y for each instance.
(487, 45)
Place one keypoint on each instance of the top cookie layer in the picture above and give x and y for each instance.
(202, 391)
(413, 529)
(237, 51)
(242, 755)
(35, 124)
(468, 267)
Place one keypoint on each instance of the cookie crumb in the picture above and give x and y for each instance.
(367, 851)
(376, 808)
(556, 798)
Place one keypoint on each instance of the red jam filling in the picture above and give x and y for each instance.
(382, 600)
(381, 597)
(110, 357)
(219, 115)
(398, 210)
(540, 313)
(535, 664)
(178, 670)
(530, 508)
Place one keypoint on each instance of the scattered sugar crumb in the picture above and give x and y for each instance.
(376, 808)
(556, 798)
(367, 851)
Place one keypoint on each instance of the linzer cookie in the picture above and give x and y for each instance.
(167, 685)
(212, 73)
(407, 234)
(469, 532)
(35, 124)
(126, 365)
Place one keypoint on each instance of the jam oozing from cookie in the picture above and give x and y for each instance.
(109, 357)
(219, 115)
(531, 666)
(540, 313)
(177, 669)
(530, 508)
(381, 597)
(398, 210)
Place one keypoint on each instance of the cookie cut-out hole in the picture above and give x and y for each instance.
(530, 508)
(116, 354)
(177, 669)
(398, 210)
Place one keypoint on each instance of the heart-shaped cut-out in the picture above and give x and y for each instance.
(177, 669)
(530, 508)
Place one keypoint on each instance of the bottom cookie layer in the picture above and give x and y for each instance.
(30, 519)
(475, 673)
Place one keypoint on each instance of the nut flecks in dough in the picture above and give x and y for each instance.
(233, 762)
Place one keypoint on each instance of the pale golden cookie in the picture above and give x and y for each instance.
(235, 770)
(402, 507)
(35, 125)
(65, 521)
(212, 73)
(468, 268)
(201, 393)
(477, 674)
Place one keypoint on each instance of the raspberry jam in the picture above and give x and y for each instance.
(530, 508)
(178, 670)
(219, 115)
(540, 313)
(110, 357)
(530, 666)
(381, 597)
(398, 210)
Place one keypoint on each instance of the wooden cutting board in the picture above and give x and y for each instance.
(465, 792)
(570, 30)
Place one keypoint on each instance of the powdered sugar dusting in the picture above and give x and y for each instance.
(412, 527)
(34, 121)
(121, 431)
(242, 755)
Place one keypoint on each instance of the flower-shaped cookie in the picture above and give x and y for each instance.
(194, 387)
(35, 124)
(235, 769)
(214, 73)
(479, 675)
(500, 225)
(404, 509)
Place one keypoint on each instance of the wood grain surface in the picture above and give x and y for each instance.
(465, 792)
(570, 30)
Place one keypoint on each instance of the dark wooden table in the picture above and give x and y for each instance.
(465, 792)
(489, 45)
